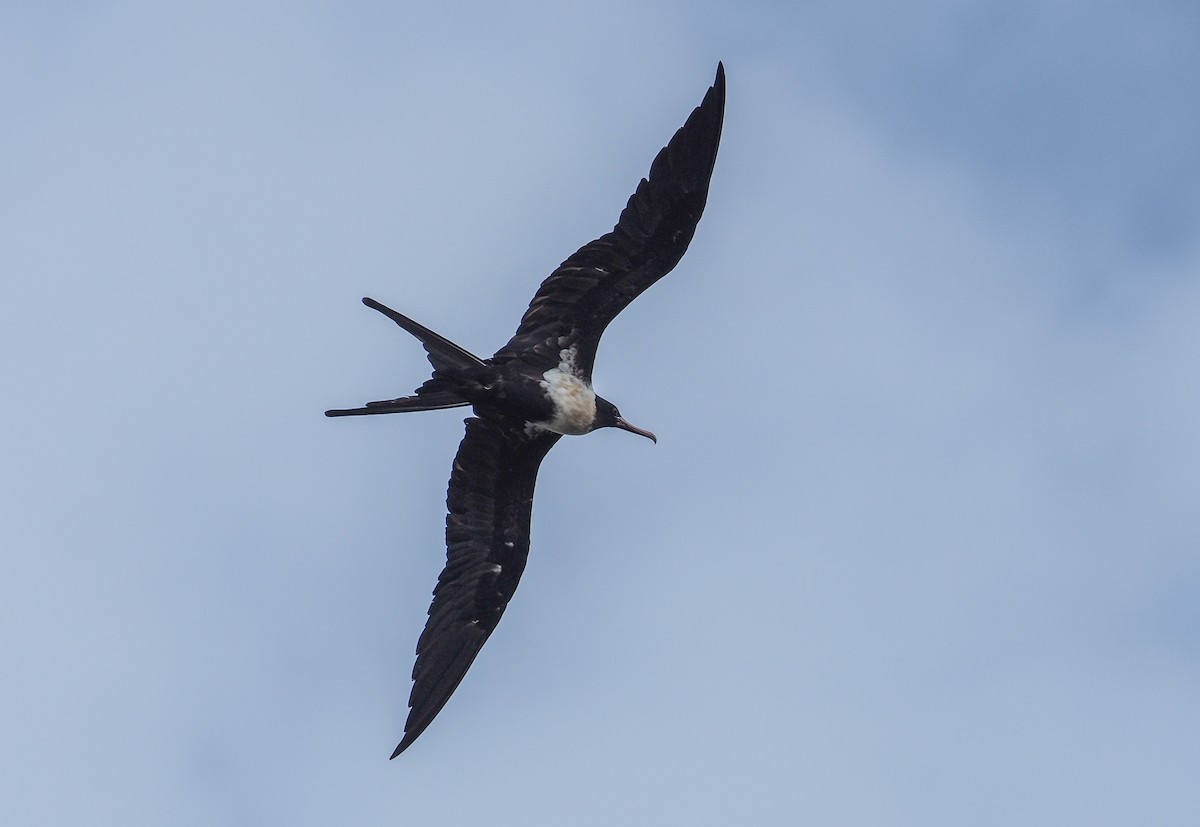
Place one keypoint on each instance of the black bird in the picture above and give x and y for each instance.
(533, 390)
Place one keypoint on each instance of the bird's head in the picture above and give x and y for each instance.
(607, 416)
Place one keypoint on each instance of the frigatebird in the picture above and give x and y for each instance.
(535, 389)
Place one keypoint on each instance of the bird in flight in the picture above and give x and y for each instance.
(534, 390)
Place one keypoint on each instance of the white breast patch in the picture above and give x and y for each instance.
(573, 398)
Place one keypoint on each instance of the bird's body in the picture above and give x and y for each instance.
(535, 389)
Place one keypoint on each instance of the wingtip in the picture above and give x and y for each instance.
(719, 82)
(404, 744)
(715, 97)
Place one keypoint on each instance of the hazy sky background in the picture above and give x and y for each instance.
(919, 543)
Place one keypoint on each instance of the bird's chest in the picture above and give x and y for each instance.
(572, 402)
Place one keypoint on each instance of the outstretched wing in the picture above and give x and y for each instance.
(487, 541)
(578, 300)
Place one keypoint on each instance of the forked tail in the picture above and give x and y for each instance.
(449, 362)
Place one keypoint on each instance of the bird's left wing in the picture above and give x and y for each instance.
(487, 541)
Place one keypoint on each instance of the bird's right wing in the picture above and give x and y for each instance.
(487, 541)
(576, 302)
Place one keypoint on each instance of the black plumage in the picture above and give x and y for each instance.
(534, 389)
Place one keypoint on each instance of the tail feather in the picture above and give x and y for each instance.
(443, 354)
(425, 402)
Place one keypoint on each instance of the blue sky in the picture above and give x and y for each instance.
(917, 545)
